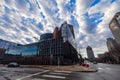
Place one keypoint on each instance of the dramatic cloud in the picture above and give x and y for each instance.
(22, 20)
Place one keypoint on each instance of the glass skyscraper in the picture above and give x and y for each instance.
(90, 53)
(115, 27)
(68, 34)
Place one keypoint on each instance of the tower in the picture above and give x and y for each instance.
(115, 27)
(90, 53)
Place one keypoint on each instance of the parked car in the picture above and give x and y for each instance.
(13, 64)
(94, 62)
(85, 65)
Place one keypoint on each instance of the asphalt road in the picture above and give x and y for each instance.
(105, 72)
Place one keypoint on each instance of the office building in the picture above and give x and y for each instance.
(112, 48)
(111, 43)
(115, 27)
(90, 53)
(100, 55)
(62, 46)
(59, 46)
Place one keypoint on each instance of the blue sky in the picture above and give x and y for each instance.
(21, 20)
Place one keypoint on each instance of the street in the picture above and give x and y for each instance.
(105, 72)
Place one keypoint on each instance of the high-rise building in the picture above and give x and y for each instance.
(115, 27)
(111, 43)
(67, 33)
(90, 53)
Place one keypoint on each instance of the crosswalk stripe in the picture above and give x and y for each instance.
(32, 75)
(64, 71)
(58, 73)
(53, 76)
(100, 68)
(38, 79)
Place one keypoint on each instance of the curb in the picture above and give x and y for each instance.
(75, 71)
(93, 70)
(87, 71)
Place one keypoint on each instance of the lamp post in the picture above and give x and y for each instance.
(37, 45)
(51, 55)
(58, 62)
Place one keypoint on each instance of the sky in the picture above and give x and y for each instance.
(22, 20)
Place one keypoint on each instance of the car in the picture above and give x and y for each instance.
(13, 64)
(94, 62)
(85, 65)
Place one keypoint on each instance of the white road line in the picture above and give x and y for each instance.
(100, 68)
(108, 68)
(58, 73)
(32, 75)
(64, 71)
(38, 79)
(4, 71)
(52, 76)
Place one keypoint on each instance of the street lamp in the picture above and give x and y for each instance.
(51, 55)
(58, 62)
(37, 45)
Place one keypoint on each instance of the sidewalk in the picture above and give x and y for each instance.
(76, 68)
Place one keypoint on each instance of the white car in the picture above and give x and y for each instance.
(13, 64)
(94, 62)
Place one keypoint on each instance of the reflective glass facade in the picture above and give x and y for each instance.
(25, 50)
(68, 34)
(46, 36)
(115, 27)
(51, 46)
(6, 44)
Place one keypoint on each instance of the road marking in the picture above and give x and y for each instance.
(4, 71)
(107, 68)
(32, 75)
(58, 73)
(100, 68)
(52, 76)
(64, 71)
(38, 79)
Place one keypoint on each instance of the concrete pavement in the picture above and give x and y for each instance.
(72, 68)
